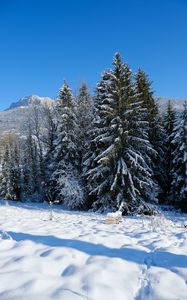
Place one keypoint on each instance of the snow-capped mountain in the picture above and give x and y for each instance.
(13, 118)
(29, 101)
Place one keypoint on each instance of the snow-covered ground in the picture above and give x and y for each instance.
(77, 256)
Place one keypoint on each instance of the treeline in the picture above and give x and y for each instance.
(114, 150)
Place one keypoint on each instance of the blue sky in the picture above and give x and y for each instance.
(43, 42)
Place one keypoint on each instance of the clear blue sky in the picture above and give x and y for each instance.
(43, 42)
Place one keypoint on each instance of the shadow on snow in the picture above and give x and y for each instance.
(161, 259)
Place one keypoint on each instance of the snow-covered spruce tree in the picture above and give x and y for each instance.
(49, 137)
(156, 131)
(179, 163)
(31, 185)
(64, 182)
(120, 176)
(94, 146)
(15, 172)
(5, 185)
(36, 124)
(169, 125)
(84, 121)
(10, 181)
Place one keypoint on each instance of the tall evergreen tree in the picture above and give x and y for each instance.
(31, 167)
(169, 125)
(36, 126)
(84, 121)
(49, 143)
(5, 184)
(156, 130)
(179, 163)
(15, 173)
(49, 136)
(64, 185)
(120, 176)
(10, 180)
(94, 145)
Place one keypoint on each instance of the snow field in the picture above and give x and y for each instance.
(77, 256)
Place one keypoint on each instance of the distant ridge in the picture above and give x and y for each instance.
(29, 101)
(37, 100)
(13, 119)
(177, 103)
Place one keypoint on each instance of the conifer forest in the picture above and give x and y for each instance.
(110, 149)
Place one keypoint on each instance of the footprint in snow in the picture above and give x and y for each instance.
(46, 253)
(70, 270)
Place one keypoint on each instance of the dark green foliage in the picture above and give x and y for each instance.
(179, 162)
(84, 122)
(11, 173)
(169, 125)
(5, 174)
(110, 151)
(64, 181)
(156, 133)
(119, 176)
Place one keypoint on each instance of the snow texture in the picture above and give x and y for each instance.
(76, 256)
